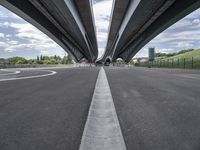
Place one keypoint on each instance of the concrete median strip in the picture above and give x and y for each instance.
(102, 130)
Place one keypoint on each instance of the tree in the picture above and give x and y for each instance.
(38, 58)
(69, 59)
(160, 54)
(41, 57)
(17, 60)
(64, 60)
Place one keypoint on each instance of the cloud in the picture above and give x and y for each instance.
(13, 42)
(102, 11)
(184, 34)
(18, 35)
(196, 21)
(34, 38)
(101, 51)
(31, 39)
(8, 35)
(3, 44)
(6, 14)
(2, 35)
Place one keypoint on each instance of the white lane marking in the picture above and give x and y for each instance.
(102, 130)
(30, 77)
(11, 73)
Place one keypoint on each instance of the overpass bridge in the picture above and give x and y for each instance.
(135, 22)
(87, 108)
(69, 23)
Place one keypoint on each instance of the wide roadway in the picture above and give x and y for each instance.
(47, 113)
(158, 109)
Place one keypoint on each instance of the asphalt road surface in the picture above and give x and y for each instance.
(46, 109)
(158, 109)
(45, 113)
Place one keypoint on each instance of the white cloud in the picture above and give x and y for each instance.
(4, 13)
(35, 39)
(165, 50)
(101, 51)
(194, 14)
(24, 36)
(182, 45)
(102, 10)
(3, 44)
(8, 35)
(2, 35)
(184, 34)
(13, 42)
(101, 36)
(196, 21)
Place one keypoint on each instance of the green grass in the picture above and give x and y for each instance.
(188, 55)
(190, 60)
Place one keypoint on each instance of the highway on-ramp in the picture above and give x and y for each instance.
(47, 109)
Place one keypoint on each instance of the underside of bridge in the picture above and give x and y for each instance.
(135, 22)
(69, 23)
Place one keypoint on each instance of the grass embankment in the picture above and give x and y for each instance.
(190, 60)
(188, 55)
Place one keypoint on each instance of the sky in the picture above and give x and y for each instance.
(19, 38)
(102, 13)
(185, 34)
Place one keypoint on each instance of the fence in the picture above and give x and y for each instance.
(186, 63)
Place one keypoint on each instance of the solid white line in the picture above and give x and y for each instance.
(102, 130)
(11, 73)
(30, 77)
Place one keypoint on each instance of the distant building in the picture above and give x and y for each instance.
(140, 59)
(83, 61)
(2, 61)
(119, 60)
(151, 54)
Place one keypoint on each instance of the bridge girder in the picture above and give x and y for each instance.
(143, 20)
(61, 21)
